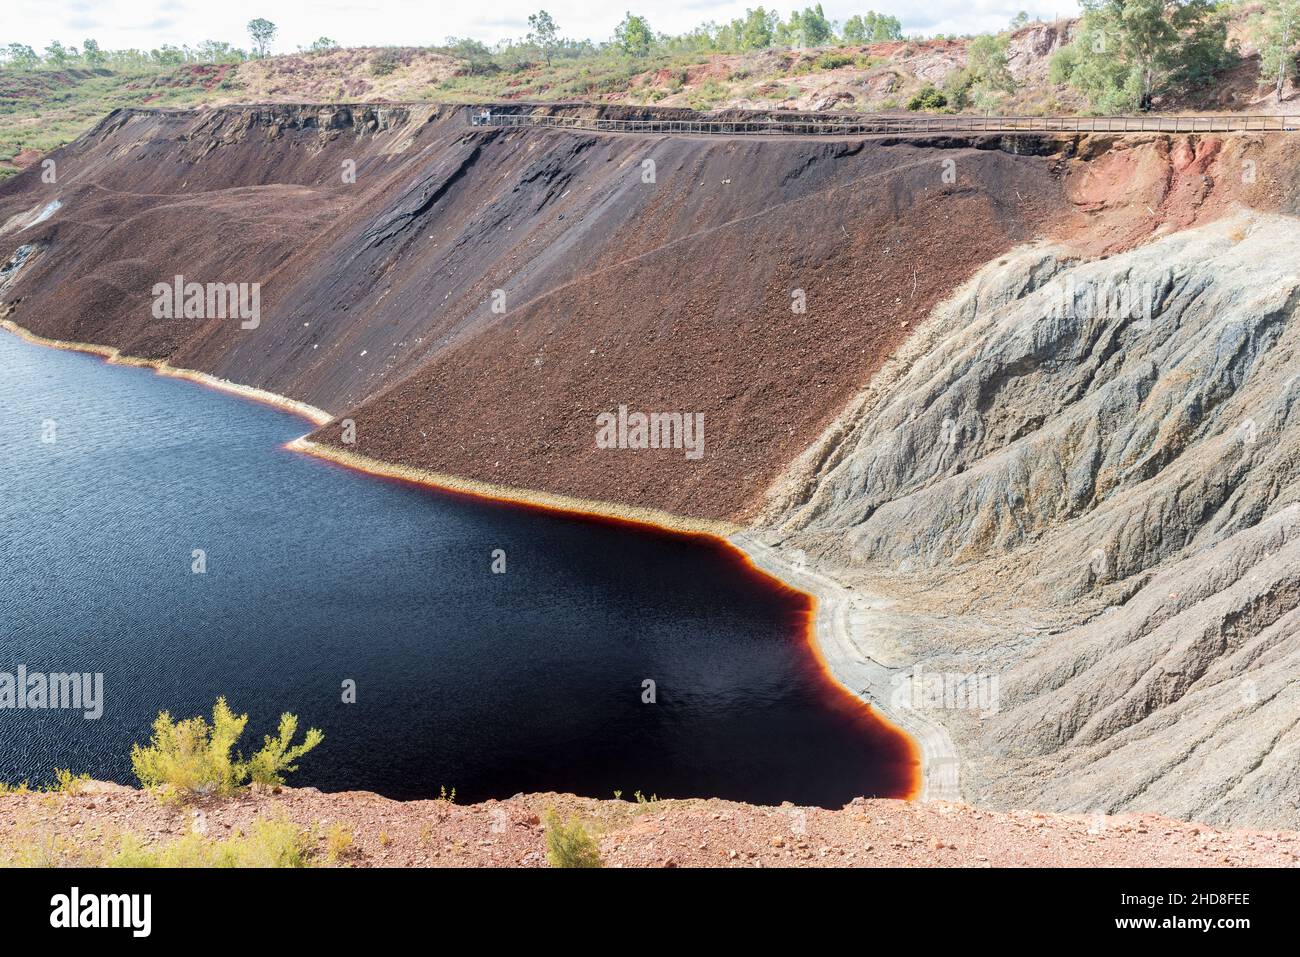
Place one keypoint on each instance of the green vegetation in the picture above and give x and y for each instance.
(832, 60)
(64, 782)
(187, 759)
(43, 109)
(928, 97)
(707, 95)
(633, 36)
(1128, 52)
(985, 77)
(338, 843)
(270, 842)
(384, 63)
(261, 31)
(544, 33)
(1127, 55)
(278, 755)
(1277, 30)
(192, 759)
(872, 27)
(569, 844)
(808, 28)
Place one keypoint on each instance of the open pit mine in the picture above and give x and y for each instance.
(1018, 410)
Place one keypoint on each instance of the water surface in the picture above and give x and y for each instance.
(491, 684)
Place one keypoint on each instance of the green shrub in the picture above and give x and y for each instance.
(927, 97)
(192, 759)
(1062, 65)
(569, 845)
(270, 842)
(707, 95)
(66, 782)
(384, 63)
(338, 843)
(276, 756)
(832, 60)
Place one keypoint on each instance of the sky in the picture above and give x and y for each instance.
(147, 24)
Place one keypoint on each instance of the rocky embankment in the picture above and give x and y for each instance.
(358, 829)
(472, 299)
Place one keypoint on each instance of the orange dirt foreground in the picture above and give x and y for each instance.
(690, 833)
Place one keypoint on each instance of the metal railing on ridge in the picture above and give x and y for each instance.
(804, 125)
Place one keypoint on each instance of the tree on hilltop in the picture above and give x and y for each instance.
(91, 53)
(872, 27)
(633, 35)
(56, 54)
(808, 28)
(261, 32)
(21, 57)
(543, 33)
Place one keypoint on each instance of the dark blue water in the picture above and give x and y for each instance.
(489, 683)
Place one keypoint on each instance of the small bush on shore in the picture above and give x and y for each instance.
(277, 756)
(65, 782)
(569, 845)
(192, 759)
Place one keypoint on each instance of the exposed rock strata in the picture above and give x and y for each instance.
(1109, 502)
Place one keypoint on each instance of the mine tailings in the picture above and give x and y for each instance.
(532, 679)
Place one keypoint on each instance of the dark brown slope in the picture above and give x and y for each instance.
(671, 296)
(687, 307)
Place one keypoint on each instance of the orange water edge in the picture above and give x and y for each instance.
(889, 738)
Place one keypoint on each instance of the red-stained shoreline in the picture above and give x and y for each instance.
(884, 734)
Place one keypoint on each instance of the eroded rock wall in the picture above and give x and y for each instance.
(1083, 477)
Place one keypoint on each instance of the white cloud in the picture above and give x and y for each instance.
(150, 23)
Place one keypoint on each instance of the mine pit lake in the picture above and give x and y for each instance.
(492, 684)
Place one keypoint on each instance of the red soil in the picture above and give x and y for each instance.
(694, 833)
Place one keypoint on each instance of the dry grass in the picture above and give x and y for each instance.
(343, 74)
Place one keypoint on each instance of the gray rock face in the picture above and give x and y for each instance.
(1082, 481)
